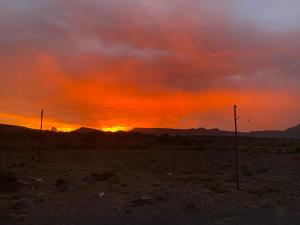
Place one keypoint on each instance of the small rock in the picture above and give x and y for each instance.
(101, 195)
(144, 201)
(39, 180)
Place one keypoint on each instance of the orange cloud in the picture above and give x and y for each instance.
(141, 63)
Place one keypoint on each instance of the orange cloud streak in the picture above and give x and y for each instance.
(151, 67)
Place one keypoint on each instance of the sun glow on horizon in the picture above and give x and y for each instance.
(66, 129)
(115, 128)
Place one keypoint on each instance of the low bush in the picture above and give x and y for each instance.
(9, 181)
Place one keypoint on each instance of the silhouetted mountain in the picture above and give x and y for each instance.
(183, 132)
(86, 130)
(13, 128)
(293, 132)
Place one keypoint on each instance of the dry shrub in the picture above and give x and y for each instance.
(9, 181)
(98, 177)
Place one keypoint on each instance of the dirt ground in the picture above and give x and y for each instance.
(160, 181)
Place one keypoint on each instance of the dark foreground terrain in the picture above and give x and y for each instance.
(97, 178)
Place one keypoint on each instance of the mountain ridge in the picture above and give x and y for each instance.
(289, 133)
(292, 132)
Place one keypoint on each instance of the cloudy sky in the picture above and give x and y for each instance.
(150, 63)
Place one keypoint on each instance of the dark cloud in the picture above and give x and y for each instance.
(150, 46)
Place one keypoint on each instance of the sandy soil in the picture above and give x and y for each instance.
(159, 184)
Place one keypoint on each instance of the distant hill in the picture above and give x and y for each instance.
(183, 132)
(86, 130)
(293, 132)
(13, 128)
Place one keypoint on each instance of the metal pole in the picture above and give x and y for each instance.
(236, 149)
(41, 133)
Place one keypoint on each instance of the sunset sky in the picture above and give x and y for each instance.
(150, 63)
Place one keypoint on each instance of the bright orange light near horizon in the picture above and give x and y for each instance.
(66, 129)
(115, 128)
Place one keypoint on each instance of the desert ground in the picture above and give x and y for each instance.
(128, 178)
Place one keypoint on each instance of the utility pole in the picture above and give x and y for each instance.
(41, 134)
(236, 148)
